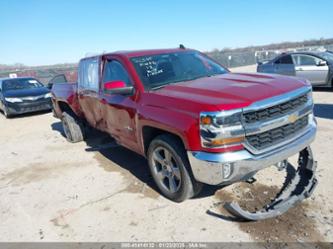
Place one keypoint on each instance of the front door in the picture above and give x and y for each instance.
(119, 111)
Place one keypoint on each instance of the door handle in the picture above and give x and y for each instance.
(300, 69)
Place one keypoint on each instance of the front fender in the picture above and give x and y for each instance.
(183, 124)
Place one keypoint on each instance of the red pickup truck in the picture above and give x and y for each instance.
(194, 121)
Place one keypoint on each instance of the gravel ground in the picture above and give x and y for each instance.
(51, 190)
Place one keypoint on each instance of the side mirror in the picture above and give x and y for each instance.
(321, 63)
(118, 87)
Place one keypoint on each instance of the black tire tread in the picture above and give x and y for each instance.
(5, 112)
(75, 127)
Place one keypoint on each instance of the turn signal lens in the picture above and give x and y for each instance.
(224, 141)
(206, 120)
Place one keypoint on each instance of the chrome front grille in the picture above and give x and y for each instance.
(275, 136)
(275, 111)
(276, 121)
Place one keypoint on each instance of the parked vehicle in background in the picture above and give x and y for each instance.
(23, 95)
(317, 67)
(194, 121)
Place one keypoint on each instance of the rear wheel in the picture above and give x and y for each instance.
(73, 127)
(171, 170)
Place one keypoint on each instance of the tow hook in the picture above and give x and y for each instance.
(282, 165)
(295, 189)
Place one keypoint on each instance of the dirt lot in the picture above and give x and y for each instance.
(51, 190)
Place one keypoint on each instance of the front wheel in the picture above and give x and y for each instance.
(6, 112)
(171, 170)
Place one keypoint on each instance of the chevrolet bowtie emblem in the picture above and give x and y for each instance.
(292, 118)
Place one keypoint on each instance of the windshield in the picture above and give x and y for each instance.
(327, 56)
(159, 70)
(17, 84)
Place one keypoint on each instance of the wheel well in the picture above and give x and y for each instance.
(64, 107)
(149, 133)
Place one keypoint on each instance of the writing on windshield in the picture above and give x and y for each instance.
(163, 69)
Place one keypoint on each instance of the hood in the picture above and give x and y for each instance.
(28, 92)
(224, 92)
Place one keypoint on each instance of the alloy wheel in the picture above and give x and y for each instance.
(166, 170)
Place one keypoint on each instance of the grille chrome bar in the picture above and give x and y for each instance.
(259, 127)
(266, 103)
(275, 111)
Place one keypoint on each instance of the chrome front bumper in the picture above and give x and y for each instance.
(208, 167)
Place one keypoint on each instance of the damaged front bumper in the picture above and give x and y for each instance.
(227, 168)
(230, 167)
(296, 188)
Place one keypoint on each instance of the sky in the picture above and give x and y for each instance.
(41, 32)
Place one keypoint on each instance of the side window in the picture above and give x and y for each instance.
(114, 71)
(284, 60)
(59, 79)
(306, 60)
(88, 74)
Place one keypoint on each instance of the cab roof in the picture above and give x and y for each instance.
(137, 53)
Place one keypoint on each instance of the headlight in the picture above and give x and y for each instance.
(48, 95)
(221, 129)
(13, 100)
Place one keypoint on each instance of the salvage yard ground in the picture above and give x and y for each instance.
(51, 190)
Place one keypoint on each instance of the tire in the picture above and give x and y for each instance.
(73, 127)
(171, 170)
(6, 113)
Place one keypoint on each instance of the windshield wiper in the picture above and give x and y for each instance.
(159, 86)
(165, 84)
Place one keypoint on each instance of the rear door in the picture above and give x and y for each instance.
(308, 67)
(88, 90)
(284, 65)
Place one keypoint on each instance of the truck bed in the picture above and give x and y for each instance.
(65, 93)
